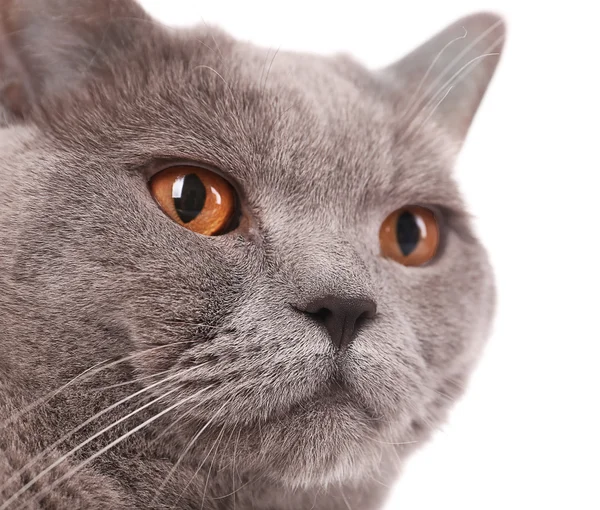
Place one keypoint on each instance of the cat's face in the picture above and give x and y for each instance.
(319, 152)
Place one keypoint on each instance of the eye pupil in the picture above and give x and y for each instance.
(189, 197)
(408, 233)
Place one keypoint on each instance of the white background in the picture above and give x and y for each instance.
(527, 434)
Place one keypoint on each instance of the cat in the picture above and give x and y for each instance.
(230, 278)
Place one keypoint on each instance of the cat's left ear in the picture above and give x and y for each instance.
(445, 79)
(48, 46)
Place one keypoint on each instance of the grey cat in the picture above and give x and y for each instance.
(286, 361)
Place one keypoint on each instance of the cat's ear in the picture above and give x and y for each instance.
(445, 79)
(48, 46)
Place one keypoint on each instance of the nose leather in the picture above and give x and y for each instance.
(342, 316)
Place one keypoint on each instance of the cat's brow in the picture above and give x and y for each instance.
(433, 188)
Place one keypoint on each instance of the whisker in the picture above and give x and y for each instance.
(220, 497)
(234, 471)
(379, 482)
(108, 447)
(457, 59)
(398, 459)
(317, 494)
(218, 50)
(48, 396)
(424, 123)
(219, 75)
(81, 426)
(264, 66)
(61, 459)
(191, 323)
(394, 444)
(413, 100)
(186, 414)
(456, 77)
(202, 463)
(229, 440)
(185, 451)
(133, 381)
(264, 85)
(234, 468)
(89, 372)
(345, 499)
(211, 465)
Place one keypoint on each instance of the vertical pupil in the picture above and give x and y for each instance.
(408, 233)
(189, 196)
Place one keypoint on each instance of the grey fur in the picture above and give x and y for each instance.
(96, 97)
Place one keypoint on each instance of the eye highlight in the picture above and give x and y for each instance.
(196, 198)
(410, 236)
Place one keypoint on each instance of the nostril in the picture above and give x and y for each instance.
(322, 314)
(362, 319)
(318, 314)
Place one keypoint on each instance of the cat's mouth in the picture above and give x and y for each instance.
(332, 395)
(302, 381)
(334, 398)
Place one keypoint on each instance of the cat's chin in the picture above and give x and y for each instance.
(328, 441)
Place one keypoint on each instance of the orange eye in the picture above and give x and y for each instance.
(196, 198)
(410, 236)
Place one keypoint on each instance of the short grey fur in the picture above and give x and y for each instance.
(144, 366)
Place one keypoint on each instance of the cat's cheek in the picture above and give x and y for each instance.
(451, 306)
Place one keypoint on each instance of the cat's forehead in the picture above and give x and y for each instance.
(275, 121)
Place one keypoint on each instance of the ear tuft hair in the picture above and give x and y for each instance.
(48, 46)
(446, 78)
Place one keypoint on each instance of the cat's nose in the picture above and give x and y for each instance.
(341, 316)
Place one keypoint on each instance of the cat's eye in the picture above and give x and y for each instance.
(410, 235)
(196, 198)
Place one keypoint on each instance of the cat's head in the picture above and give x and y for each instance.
(318, 328)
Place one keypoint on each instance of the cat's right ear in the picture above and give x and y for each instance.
(48, 46)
